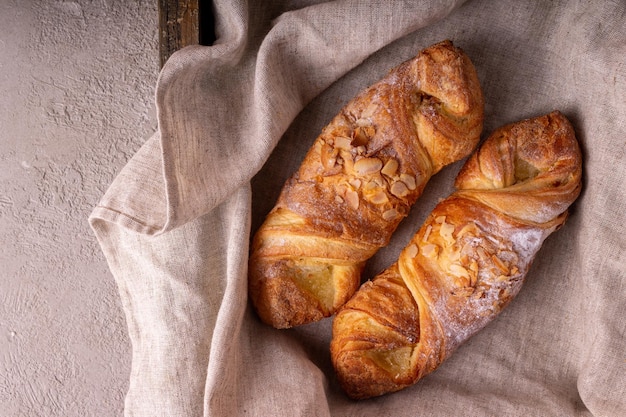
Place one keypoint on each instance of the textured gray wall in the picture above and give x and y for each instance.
(76, 101)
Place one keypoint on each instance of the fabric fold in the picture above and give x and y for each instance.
(221, 109)
(174, 225)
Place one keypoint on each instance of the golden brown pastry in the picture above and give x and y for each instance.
(466, 262)
(358, 181)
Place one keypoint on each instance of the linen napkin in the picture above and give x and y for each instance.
(235, 120)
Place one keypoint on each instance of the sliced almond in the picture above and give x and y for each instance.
(454, 255)
(365, 166)
(352, 198)
(338, 199)
(380, 181)
(379, 198)
(344, 143)
(409, 180)
(459, 271)
(399, 189)
(500, 264)
(466, 250)
(473, 277)
(355, 182)
(440, 219)
(390, 214)
(445, 231)
(328, 156)
(430, 250)
(390, 168)
(429, 229)
(348, 162)
(370, 186)
(411, 250)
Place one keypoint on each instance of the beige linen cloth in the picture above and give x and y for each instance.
(235, 120)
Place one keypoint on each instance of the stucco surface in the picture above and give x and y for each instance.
(77, 81)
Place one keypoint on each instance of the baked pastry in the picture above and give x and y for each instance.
(465, 264)
(358, 181)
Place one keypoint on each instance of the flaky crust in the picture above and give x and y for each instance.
(466, 262)
(358, 181)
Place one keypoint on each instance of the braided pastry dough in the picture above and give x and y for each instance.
(466, 262)
(358, 181)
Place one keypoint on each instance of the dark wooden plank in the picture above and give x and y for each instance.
(179, 26)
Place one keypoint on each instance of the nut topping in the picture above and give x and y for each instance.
(458, 271)
(365, 166)
(399, 189)
(482, 253)
(379, 198)
(430, 250)
(390, 168)
(342, 142)
(409, 180)
(370, 186)
(499, 264)
(429, 228)
(328, 156)
(473, 276)
(352, 197)
(411, 250)
(355, 182)
(390, 214)
(347, 160)
(445, 231)
(454, 255)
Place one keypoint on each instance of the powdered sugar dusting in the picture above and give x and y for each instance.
(526, 242)
(475, 271)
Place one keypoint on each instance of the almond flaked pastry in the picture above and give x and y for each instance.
(423, 115)
(474, 250)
